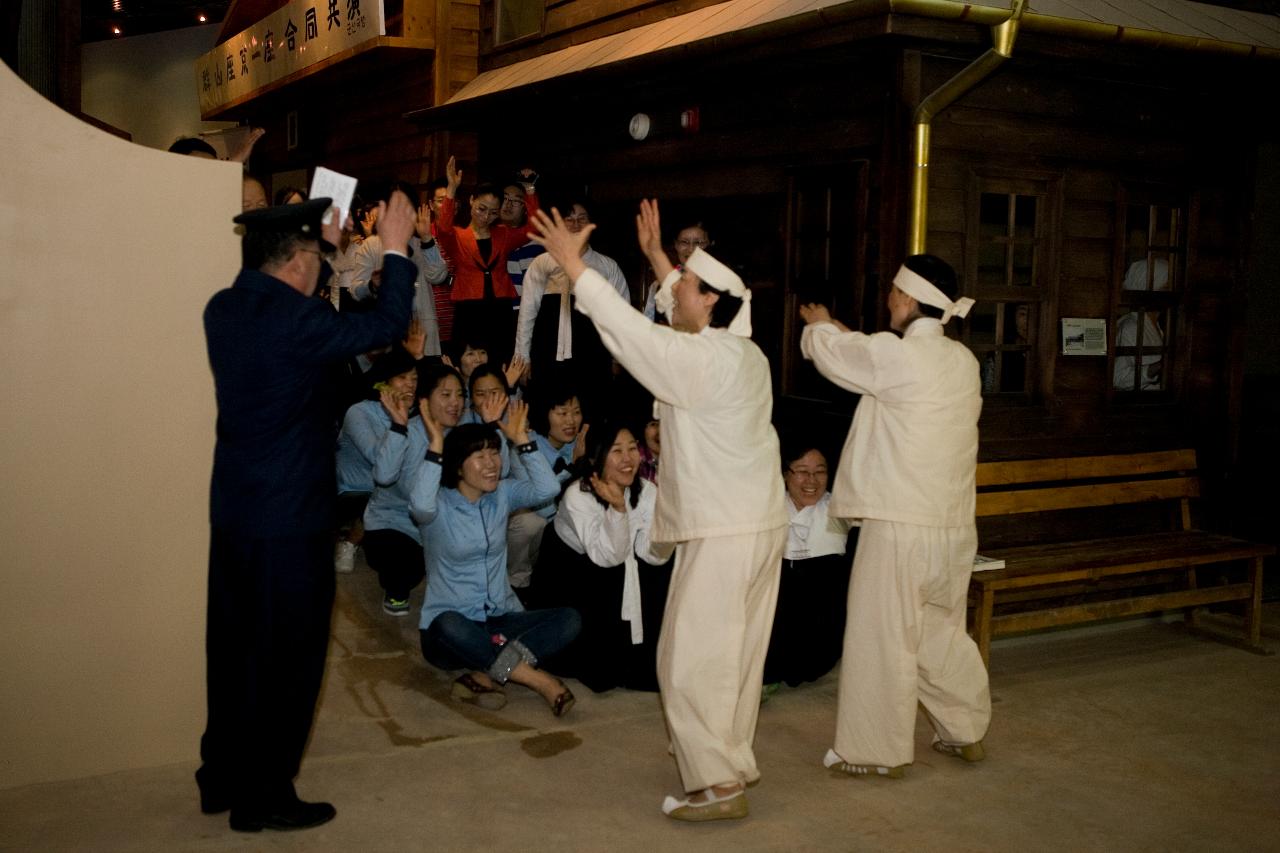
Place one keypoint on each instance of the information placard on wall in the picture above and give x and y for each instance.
(1084, 336)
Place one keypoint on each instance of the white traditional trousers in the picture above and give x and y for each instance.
(905, 642)
(715, 633)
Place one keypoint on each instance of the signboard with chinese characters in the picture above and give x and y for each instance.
(288, 40)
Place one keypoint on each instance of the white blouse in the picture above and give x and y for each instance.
(813, 532)
(608, 537)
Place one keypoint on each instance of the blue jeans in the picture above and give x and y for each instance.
(452, 641)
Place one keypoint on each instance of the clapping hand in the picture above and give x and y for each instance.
(812, 313)
(580, 443)
(515, 426)
(610, 493)
(396, 404)
(491, 407)
(435, 430)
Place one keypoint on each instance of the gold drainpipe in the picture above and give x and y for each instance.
(1003, 36)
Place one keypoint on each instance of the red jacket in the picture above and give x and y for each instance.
(459, 245)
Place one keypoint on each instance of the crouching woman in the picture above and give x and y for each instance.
(471, 619)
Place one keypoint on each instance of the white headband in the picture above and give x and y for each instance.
(922, 290)
(718, 276)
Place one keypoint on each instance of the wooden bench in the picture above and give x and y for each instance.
(1055, 583)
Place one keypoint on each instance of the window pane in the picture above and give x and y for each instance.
(1140, 351)
(994, 215)
(981, 324)
(1024, 255)
(1017, 323)
(516, 19)
(1013, 370)
(1024, 217)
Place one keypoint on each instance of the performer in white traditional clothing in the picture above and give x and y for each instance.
(719, 498)
(907, 472)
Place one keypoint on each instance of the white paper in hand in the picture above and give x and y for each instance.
(341, 188)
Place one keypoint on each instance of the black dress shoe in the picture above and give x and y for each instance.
(294, 815)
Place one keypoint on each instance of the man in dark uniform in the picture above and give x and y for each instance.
(272, 348)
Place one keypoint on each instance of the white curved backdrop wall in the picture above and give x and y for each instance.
(110, 253)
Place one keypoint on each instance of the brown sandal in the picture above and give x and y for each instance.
(467, 688)
(563, 702)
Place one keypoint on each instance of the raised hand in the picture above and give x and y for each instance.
(395, 223)
(812, 312)
(241, 154)
(448, 362)
(515, 427)
(453, 176)
(565, 246)
(580, 443)
(649, 227)
(610, 493)
(492, 407)
(397, 405)
(516, 370)
(415, 341)
(331, 231)
(435, 429)
(369, 220)
(422, 225)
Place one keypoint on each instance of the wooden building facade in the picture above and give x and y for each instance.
(1103, 173)
(1084, 160)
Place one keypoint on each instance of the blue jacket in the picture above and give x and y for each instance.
(466, 543)
(363, 430)
(272, 351)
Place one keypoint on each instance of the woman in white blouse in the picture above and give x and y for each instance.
(597, 558)
(808, 625)
(558, 343)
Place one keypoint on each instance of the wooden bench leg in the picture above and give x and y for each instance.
(1253, 607)
(982, 624)
(1189, 614)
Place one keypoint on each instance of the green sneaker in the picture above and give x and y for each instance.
(395, 606)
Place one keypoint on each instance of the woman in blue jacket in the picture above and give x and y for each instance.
(471, 619)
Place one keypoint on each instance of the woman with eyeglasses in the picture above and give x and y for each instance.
(562, 345)
(808, 624)
(483, 295)
(688, 240)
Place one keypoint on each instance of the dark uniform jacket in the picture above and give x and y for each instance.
(273, 352)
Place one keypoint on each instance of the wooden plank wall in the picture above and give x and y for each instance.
(569, 22)
(1094, 133)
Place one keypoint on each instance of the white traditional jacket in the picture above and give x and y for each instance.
(714, 396)
(912, 452)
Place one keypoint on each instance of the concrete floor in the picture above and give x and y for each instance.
(1127, 737)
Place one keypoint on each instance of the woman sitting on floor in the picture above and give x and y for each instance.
(555, 416)
(597, 558)
(471, 619)
(808, 624)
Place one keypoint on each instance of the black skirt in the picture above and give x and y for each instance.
(808, 626)
(603, 656)
(589, 372)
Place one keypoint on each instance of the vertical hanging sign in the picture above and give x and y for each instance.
(288, 40)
